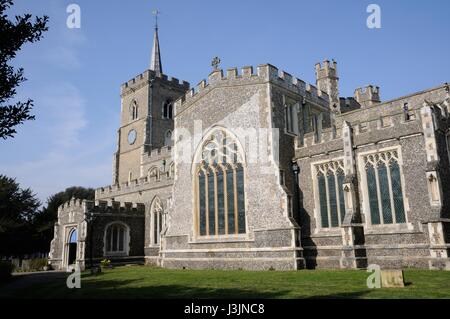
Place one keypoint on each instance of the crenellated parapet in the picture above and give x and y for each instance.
(101, 207)
(147, 77)
(157, 154)
(155, 178)
(247, 76)
(368, 96)
(71, 204)
(391, 120)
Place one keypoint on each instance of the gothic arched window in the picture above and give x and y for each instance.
(134, 110)
(220, 187)
(117, 239)
(168, 109)
(384, 188)
(156, 220)
(330, 180)
(168, 138)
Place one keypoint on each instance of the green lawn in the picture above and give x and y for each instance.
(148, 282)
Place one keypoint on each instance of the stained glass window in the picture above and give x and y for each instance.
(202, 194)
(241, 199)
(373, 196)
(221, 187)
(384, 188)
(330, 180)
(341, 178)
(220, 201)
(323, 201)
(397, 193)
(211, 204)
(333, 201)
(156, 220)
(230, 197)
(115, 238)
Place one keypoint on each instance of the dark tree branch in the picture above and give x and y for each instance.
(13, 35)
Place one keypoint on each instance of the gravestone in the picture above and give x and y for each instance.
(392, 279)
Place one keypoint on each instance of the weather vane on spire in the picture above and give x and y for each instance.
(156, 12)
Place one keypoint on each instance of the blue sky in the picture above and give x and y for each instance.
(74, 75)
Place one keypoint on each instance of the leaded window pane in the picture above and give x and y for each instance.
(373, 197)
(241, 199)
(220, 202)
(115, 235)
(202, 200)
(108, 239)
(211, 206)
(397, 193)
(121, 238)
(323, 200)
(230, 195)
(341, 179)
(155, 228)
(384, 194)
(333, 201)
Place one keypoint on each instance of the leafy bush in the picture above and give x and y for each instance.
(105, 263)
(6, 270)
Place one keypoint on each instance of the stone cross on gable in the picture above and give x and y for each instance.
(215, 63)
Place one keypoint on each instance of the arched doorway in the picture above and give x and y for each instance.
(72, 243)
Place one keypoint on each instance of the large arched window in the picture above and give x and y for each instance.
(220, 192)
(384, 188)
(117, 238)
(330, 193)
(156, 219)
(134, 110)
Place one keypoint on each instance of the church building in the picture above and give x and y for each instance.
(256, 169)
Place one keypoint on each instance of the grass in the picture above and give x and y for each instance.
(148, 282)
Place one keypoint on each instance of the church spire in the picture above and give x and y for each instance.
(155, 64)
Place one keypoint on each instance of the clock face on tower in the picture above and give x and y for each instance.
(132, 137)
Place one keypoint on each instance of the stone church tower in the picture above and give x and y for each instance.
(146, 121)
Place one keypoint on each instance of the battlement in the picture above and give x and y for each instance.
(149, 75)
(326, 70)
(367, 96)
(154, 179)
(156, 154)
(99, 206)
(264, 73)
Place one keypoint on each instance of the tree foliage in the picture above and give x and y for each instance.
(13, 35)
(25, 226)
(17, 206)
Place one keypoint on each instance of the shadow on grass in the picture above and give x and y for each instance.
(344, 295)
(130, 289)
